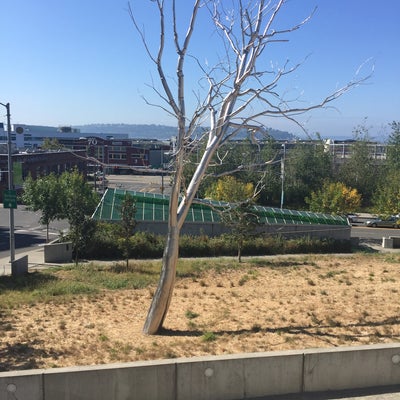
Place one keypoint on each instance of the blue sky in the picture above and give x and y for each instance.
(76, 62)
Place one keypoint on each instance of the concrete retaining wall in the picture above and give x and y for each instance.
(58, 252)
(19, 266)
(391, 242)
(339, 232)
(230, 377)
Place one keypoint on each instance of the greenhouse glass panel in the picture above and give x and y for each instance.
(154, 207)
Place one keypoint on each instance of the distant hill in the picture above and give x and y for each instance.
(161, 132)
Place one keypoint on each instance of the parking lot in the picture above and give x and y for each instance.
(140, 183)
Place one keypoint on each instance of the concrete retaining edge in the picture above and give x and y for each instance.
(227, 377)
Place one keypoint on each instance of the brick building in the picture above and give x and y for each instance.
(39, 163)
(122, 154)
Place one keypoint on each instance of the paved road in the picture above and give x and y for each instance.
(28, 231)
(373, 233)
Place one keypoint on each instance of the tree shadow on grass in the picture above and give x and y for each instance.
(22, 356)
(322, 332)
(29, 281)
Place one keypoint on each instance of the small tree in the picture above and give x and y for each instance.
(242, 220)
(239, 214)
(44, 195)
(78, 203)
(128, 223)
(334, 198)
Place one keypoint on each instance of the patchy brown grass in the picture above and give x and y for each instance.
(287, 303)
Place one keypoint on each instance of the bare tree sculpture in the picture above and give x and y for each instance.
(241, 91)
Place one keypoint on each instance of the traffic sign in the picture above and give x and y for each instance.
(10, 199)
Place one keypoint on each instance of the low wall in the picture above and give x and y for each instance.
(19, 266)
(229, 377)
(339, 232)
(391, 242)
(58, 252)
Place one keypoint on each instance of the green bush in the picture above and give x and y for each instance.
(103, 245)
(194, 246)
(106, 244)
(146, 245)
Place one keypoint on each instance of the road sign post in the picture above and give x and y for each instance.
(10, 199)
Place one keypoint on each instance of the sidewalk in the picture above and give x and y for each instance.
(35, 261)
(373, 393)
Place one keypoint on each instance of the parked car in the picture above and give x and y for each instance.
(351, 218)
(391, 222)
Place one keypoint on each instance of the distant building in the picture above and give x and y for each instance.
(39, 164)
(119, 155)
(33, 136)
(117, 151)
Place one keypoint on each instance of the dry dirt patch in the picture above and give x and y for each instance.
(318, 301)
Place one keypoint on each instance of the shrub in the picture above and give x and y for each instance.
(103, 243)
(106, 244)
(147, 245)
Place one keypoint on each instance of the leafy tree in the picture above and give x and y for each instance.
(242, 221)
(334, 198)
(386, 194)
(230, 189)
(270, 193)
(239, 215)
(51, 144)
(79, 202)
(393, 148)
(361, 171)
(246, 160)
(386, 198)
(44, 194)
(66, 196)
(252, 162)
(238, 92)
(307, 166)
(128, 223)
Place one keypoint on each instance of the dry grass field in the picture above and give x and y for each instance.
(263, 304)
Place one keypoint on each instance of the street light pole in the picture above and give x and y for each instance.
(10, 181)
(283, 174)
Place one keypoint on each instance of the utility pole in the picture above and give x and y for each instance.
(10, 182)
(283, 174)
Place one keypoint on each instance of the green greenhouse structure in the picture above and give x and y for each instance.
(204, 216)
